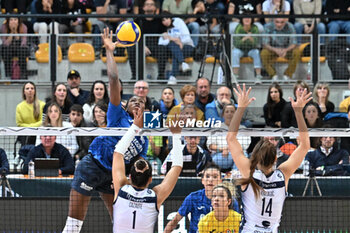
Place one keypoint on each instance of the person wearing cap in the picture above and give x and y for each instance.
(76, 95)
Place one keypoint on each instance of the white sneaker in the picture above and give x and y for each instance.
(172, 80)
(258, 79)
(286, 78)
(275, 78)
(185, 67)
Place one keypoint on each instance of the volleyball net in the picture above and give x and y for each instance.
(318, 198)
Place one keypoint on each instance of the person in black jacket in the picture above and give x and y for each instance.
(4, 163)
(43, 25)
(274, 106)
(75, 94)
(50, 149)
(77, 120)
(327, 159)
(288, 117)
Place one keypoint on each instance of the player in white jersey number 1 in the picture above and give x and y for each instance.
(135, 207)
(263, 188)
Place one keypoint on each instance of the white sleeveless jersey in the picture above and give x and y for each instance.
(135, 210)
(262, 215)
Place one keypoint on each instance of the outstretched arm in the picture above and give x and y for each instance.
(164, 189)
(118, 166)
(294, 161)
(242, 162)
(112, 69)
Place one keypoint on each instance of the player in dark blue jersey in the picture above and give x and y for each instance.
(198, 203)
(94, 172)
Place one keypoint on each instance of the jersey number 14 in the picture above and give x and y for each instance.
(266, 206)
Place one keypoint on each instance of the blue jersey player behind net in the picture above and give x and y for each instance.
(94, 172)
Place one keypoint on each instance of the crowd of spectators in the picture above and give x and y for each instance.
(180, 36)
(90, 108)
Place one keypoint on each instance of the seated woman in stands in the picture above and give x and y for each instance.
(188, 96)
(59, 96)
(98, 92)
(14, 49)
(313, 119)
(320, 95)
(274, 106)
(100, 114)
(53, 118)
(246, 46)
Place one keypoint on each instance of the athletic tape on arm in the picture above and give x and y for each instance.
(124, 143)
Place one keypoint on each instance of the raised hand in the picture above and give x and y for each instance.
(301, 101)
(174, 126)
(138, 117)
(243, 96)
(107, 36)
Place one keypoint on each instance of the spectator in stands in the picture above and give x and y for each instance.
(275, 7)
(14, 47)
(188, 96)
(74, 24)
(178, 43)
(43, 25)
(203, 96)
(100, 114)
(53, 118)
(246, 46)
(307, 25)
(98, 92)
(239, 7)
(107, 7)
(59, 96)
(338, 25)
(288, 118)
(345, 103)
(167, 101)
(76, 95)
(327, 159)
(150, 26)
(49, 148)
(214, 109)
(275, 46)
(209, 8)
(174, 7)
(4, 163)
(320, 96)
(313, 119)
(77, 120)
(218, 147)
(194, 155)
(198, 203)
(274, 106)
(138, 7)
(141, 89)
(29, 112)
(11, 5)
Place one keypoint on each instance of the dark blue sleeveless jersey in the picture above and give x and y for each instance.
(102, 147)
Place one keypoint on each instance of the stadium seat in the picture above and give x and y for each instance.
(81, 53)
(154, 60)
(42, 55)
(117, 59)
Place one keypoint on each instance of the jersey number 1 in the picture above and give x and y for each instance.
(133, 219)
(268, 208)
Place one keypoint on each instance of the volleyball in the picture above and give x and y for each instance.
(128, 33)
